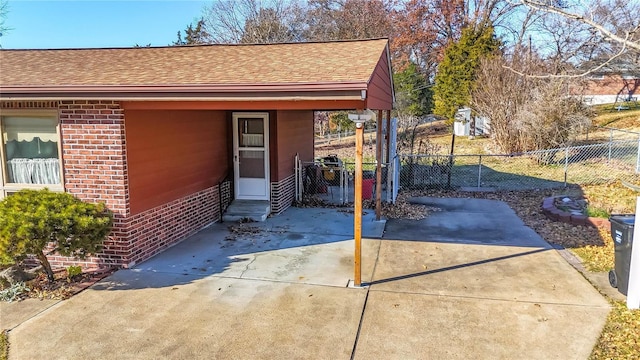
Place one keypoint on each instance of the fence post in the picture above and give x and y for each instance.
(479, 170)
(295, 166)
(566, 164)
(610, 143)
(343, 183)
(638, 157)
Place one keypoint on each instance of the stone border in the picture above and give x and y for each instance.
(552, 212)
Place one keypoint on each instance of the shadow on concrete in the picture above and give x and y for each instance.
(465, 221)
(275, 249)
(455, 267)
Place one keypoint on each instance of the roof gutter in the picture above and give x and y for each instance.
(56, 97)
(191, 89)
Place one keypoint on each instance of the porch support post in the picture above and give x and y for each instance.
(357, 207)
(359, 119)
(388, 139)
(378, 164)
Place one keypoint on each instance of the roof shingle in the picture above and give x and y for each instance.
(296, 63)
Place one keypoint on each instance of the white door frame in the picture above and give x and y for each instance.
(254, 189)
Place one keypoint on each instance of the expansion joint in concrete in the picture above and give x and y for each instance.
(355, 342)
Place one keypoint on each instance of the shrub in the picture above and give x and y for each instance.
(73, 271)
(13, 292)
(32, 220)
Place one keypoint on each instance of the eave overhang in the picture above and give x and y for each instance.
(226, 92)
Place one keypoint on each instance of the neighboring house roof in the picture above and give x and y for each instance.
(625, 66)
(326, 69)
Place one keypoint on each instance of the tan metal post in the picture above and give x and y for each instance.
(357, 206)
(378, 165)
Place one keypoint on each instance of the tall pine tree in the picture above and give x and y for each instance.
(457, 70)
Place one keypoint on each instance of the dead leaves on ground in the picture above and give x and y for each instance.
(402, 209)
(620, 338)
(241, 229)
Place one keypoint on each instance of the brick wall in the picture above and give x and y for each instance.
(608, 85)
(612, 85)
(94, 152)
(282, 194)
(95, 169)
(156, 229)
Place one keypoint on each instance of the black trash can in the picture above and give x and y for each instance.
(622, 234)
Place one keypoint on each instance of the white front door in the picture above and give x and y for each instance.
(251, 155)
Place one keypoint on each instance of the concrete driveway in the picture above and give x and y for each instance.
(470, 281)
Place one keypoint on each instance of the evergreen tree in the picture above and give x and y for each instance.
(32, 221)
(457, 70)
(414, 96)
(339, 122)
(193, 35)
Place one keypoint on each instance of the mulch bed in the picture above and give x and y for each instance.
(63, 287)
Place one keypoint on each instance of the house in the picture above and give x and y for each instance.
(618, 81)
(168, 136)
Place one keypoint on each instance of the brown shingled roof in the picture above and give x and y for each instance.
(297, 63)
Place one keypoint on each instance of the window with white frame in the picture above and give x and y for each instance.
(30, 151)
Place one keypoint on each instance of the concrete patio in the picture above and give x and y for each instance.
(470, 281)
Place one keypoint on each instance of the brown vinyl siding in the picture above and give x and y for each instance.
(380, 96)
(172, 154)
(273, 145)
(294, 135)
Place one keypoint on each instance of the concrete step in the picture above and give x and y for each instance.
(256, 210)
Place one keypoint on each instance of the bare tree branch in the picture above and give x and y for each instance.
(585, 73)
(626, 41)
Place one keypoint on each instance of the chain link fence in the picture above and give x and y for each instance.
(330, 180)
(554, 168)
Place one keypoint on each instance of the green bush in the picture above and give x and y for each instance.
(73, 271)
(13, 292)
(32, 219)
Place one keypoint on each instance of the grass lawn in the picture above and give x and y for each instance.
(609, 117)
(4, 345)
(620, 338)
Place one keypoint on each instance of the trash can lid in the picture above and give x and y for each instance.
(626, 219)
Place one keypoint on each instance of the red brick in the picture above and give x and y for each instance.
(564, 217)
(578, 219)
(554, 214)
(596, 222)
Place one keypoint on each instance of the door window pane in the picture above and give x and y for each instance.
(251, 164)
(251, 132)
(31, 150)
